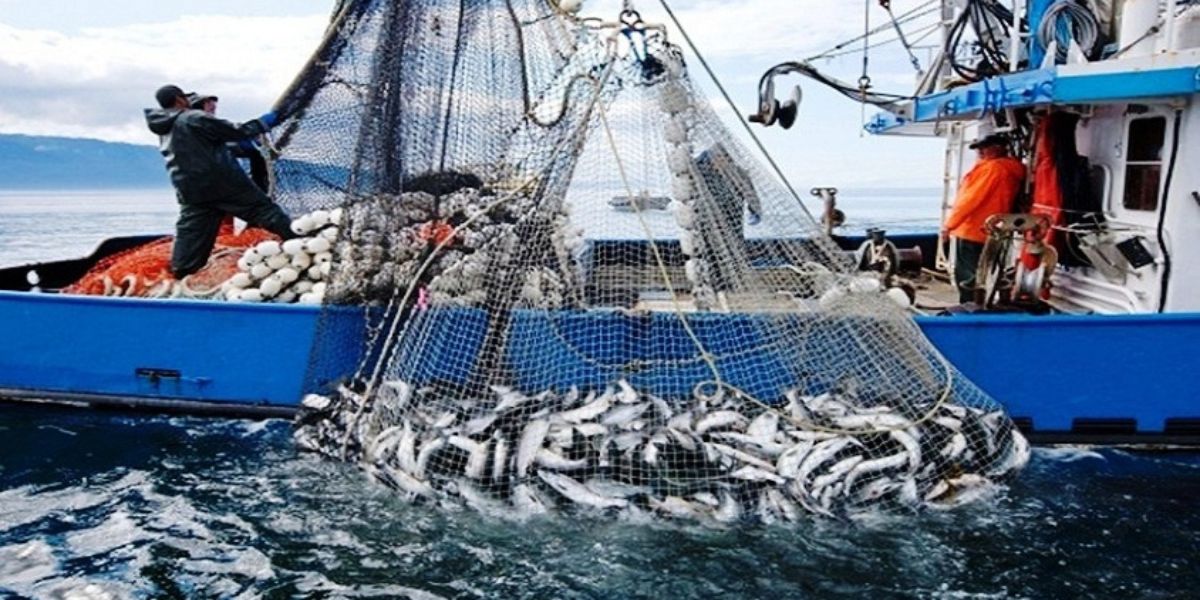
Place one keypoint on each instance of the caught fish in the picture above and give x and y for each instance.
(719, 420)
(788, 463)
(509, 399)
(586, 412)
(499, 457)
(578, 493)
(894, 461)
(749, 473)
(627, 395)
(528, 501)
(764, 426)
(623, 415)
(477, 455)
(557, 462)
(531, 441)
(425, 454)
(834, 474)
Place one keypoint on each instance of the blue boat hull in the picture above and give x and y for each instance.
(1063, 377)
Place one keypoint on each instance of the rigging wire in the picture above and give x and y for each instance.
(912, 15)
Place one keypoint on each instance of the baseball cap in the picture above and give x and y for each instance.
(167, 94)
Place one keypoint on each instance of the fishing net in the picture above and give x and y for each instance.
(145, 271)
(579, 291)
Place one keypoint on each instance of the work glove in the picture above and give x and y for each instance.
(270, 119)
(248, 146)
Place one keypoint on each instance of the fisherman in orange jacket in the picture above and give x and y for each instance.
(990, 188)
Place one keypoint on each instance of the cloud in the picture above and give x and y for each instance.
(95, 83)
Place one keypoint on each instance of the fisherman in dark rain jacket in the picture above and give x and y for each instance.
(209, 182)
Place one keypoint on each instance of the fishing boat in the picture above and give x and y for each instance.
(1099, 353)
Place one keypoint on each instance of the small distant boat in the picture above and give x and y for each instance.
(643, 201)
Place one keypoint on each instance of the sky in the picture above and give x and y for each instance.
(86, 69)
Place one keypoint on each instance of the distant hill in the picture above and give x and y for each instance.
(38, 162)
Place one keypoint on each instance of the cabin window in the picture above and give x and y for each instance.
(1144, 162)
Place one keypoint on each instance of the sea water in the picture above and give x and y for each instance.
(97, 504)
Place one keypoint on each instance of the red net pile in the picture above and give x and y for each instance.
(145, 271)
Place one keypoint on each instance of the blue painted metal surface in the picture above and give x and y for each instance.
(1053, 370)
(1041, 87)
(1057, 369)
(1127, 85)
(187, 350)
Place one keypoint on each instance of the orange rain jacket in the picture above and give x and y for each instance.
(989, 189)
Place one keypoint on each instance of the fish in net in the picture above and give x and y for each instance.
(528, 349)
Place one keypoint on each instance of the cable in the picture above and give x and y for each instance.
(1066, 20)
(990, 22)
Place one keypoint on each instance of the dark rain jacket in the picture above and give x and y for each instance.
(199, 161)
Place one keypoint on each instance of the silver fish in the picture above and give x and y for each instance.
(783, 505)
(877, 489)
(479, 425)
(532, 438)
(499, 457)
(749, 473)
(872, 422)
(878, 464)
(587, 412)
(730, 509)
(788, 463)
(624, 414)
(528, 501)
(384, 442)
(553, 460)
(316, 402)
(477, 455)
(406, 450)
(578, 493)
(764, 426)
(719, 419)
(766, 447)
(743, 457)
(834, 474)
(588, 430)
(908, 439)
(615, 489)
(627, 395)
(955, 447)
(681, 422)
(675, 506)
(402, 481)
(939, 488)
(684, 440)
(509, 398)
(395, 394)
(561, 436)
(949, 423)
(707, 498)
(664, 409)
(425, 454)
(821, 453)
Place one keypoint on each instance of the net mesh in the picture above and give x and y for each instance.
(580, 292)
(145, 271)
